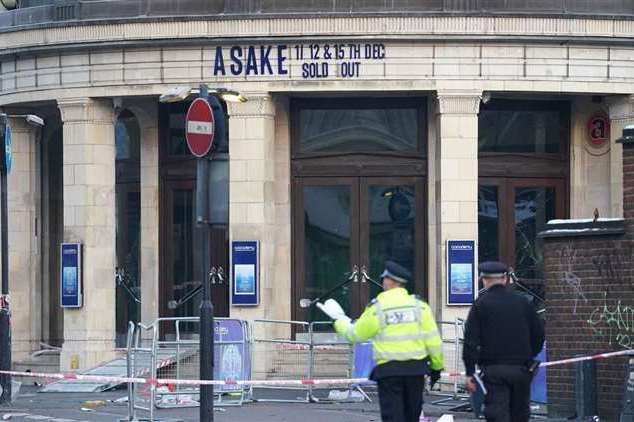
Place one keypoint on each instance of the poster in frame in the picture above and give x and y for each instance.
(461, 269)
(71, 294)
(245, 273)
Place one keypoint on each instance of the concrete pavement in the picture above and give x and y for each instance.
(70, 407)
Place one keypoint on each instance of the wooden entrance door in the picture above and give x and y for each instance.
(181, 264)
(344, 225)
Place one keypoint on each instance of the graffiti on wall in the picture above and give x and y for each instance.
(569, 278)
(614, 323)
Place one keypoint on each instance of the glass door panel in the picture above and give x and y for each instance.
(534, 207)
(328, 238)
(488, 223)
(392, 221)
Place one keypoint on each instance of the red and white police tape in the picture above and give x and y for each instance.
(330, 381)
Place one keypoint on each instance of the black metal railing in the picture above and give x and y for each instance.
(42, 12)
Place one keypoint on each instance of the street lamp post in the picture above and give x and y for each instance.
(5, 310)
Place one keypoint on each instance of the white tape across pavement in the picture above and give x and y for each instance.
(331, 381)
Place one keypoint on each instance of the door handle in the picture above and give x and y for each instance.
(216, 275)
(354, 276)
(364, 274)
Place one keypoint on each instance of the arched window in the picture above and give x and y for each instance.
(128, 220)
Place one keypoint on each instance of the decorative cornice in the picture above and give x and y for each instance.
(311, 27)
(90, 110)
(258, 105)
(459, 102)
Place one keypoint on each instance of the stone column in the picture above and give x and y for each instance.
(89, 218)
(147, 115)
(456, 175)
(252, 193)
(24, 251)
(621, 109)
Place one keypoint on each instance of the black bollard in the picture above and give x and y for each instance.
(586, 389)
(627, 414)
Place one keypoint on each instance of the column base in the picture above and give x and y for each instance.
(80, 355)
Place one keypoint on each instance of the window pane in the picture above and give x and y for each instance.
(360, 130)
(327, 233)
(488, 224)
(519, 131)
(392, 213)
(533, 208)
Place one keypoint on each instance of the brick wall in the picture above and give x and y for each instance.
(590, 300)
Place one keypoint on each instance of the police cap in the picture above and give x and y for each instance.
(396, 272)
(492, 269)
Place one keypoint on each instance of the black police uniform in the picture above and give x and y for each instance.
(503, 334)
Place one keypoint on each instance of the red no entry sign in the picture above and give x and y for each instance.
(199, 127)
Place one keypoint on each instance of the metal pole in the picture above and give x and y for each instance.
(5, 312)
(206, 306)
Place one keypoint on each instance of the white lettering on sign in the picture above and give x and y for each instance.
(200, 128)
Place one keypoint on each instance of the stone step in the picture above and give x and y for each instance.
(45, 363)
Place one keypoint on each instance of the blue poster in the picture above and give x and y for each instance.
(244, 273)
(70, 273)
(460, 272)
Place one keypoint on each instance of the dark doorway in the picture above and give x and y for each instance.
(128, 222)
(180, 254)
(523, 176)
(358, 196)
(53, 228)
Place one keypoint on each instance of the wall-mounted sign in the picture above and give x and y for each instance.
(313, 61)
(70, 275)
(598, 130)
(8, 149)
(460, 272)
(245, 272)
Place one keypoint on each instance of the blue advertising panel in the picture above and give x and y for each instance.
(8, 152)
(460, 272)
(245, 272)
(70, 275)
(232, 357)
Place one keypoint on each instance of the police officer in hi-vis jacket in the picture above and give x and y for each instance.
(405, 340)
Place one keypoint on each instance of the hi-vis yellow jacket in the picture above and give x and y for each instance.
(402, 327)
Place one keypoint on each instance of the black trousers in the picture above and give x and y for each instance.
(508, 393)
(401, 398)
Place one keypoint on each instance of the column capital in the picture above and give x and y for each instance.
(621, 107)
(86, 109)
(259, 104)
(459, 102)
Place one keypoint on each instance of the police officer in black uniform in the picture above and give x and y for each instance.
(503, 334)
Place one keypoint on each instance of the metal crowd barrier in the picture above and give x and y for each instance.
(281, 349)
(162, 350)
(452, 333)
(266, 349)
(141, 361)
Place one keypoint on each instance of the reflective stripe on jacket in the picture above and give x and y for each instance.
(402, 328)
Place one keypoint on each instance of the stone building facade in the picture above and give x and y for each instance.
(366, 136)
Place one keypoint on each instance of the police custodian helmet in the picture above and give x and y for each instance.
(396, 272)
(493, 269)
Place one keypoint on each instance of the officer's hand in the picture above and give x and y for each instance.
(471, 385)
(434, 376)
